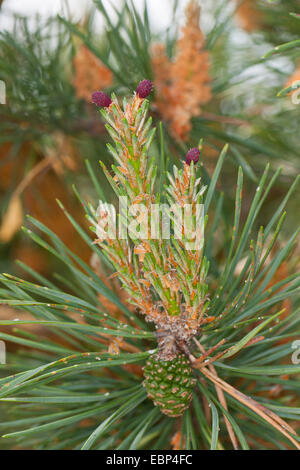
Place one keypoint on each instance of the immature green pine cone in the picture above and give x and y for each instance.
(169, 383)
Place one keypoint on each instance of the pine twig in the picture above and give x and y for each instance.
(33, 173)
(275, 421)
(221, 398)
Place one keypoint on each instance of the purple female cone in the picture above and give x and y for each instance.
(101, 99)
(144, 88)
(193, 155)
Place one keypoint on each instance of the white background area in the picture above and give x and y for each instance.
(160, 11)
